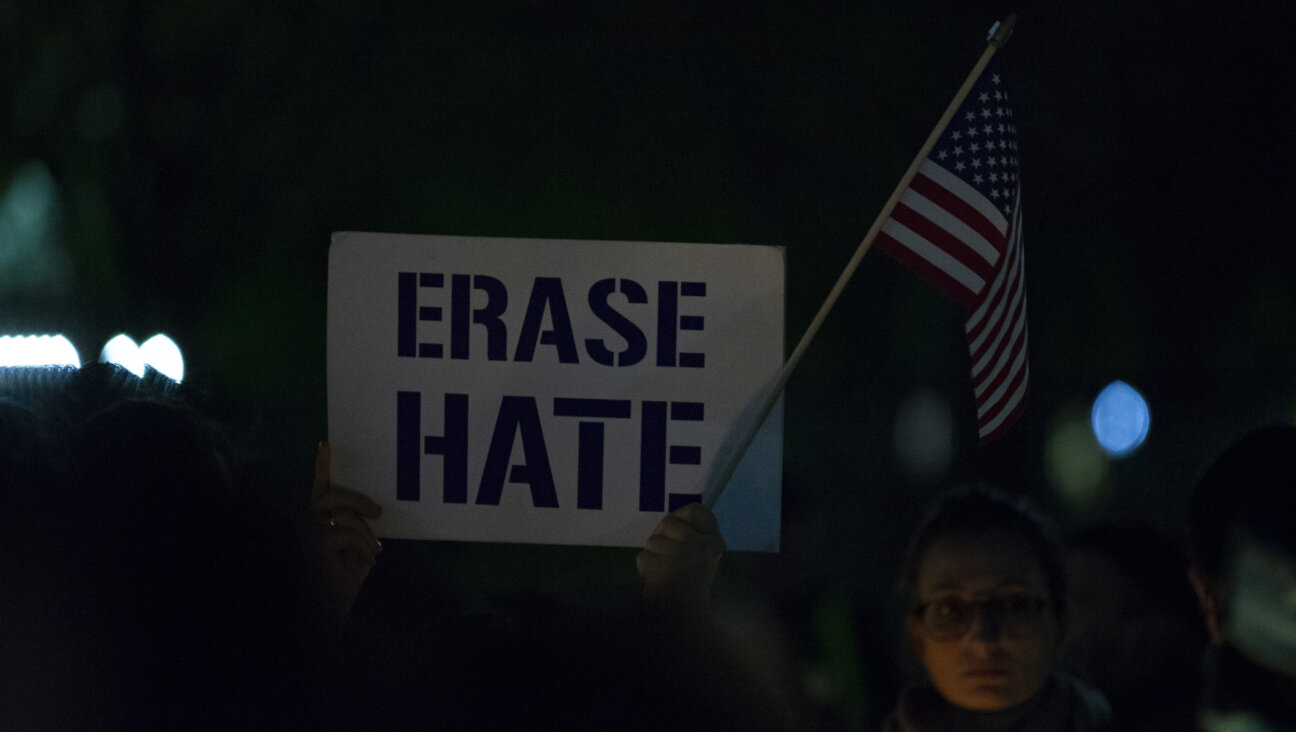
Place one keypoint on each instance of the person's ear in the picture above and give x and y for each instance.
(1208, 601)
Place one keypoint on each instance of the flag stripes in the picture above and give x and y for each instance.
(958, 225)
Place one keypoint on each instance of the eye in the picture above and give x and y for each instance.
(947, 608)
(1017, 604)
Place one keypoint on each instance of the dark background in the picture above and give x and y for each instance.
(179, 167)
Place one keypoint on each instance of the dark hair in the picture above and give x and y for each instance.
(1250, 487)
(1152, 556)
(172, 589)
(976, 510)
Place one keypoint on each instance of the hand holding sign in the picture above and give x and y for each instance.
(341, 543)
(679, 561)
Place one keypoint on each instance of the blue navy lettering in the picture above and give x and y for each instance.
(518, 414)
(636, 342)
(409, 408)
(589, 477)
(653, 452)
(452, 446)
(430, 313)
(409, 313)
(519, 418)
(692, 322)
(546, 296)
(669, 323)
(406, 310)
(487, 316)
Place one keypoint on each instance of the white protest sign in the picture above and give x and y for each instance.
(547, 391)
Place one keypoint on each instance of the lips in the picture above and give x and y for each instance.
(986, 672)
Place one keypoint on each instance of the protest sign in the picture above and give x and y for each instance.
(550, 391)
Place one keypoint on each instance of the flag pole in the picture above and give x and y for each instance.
(998, 36)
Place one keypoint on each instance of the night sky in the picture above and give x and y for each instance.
(188, 160)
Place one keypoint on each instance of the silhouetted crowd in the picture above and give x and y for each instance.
(155, 577)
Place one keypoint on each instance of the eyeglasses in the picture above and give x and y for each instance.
(950, 618)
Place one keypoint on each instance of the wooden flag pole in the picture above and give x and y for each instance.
(999, 34)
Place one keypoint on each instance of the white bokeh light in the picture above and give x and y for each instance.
(1120, 419)
(163, 354)
(923, 435)
(1075, 463)
(122, 350)
(44, 350)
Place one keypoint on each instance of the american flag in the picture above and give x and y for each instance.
(958, 225)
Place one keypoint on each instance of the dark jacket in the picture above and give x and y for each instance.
(1065, 704)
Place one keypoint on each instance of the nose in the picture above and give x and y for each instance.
(986, 626)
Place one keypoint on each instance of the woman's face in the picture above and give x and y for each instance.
(985, 631)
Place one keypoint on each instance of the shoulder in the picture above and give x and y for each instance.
(1090, 711)
(920, 709)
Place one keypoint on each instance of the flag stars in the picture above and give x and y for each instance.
(984, 150)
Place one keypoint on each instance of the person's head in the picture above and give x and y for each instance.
(1243, 550)
(986, 588)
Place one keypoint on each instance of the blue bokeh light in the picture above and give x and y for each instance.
(1120, 419)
